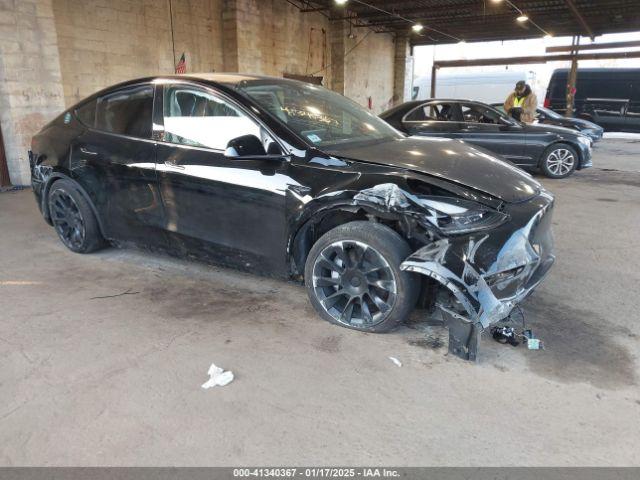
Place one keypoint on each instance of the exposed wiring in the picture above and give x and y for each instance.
(406, 19)
(173, 42)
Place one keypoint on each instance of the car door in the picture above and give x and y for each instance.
(228, 210)
(433, 119)
(483, 127)
(114, 160)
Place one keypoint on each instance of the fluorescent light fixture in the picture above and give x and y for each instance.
(496, 1)
(548, 36)
(522, 18)
(417, 27)
(341, 2)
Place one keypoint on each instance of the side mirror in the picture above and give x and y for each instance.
(249, 147)
(246, 146)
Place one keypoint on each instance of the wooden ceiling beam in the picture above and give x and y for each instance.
(581, 20)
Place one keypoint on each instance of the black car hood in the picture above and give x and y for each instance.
(545, 127)
(571, 122)
(561, 122)
(450, 160)
(586, 123)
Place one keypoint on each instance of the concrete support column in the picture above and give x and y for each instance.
(402, 70)
(337, 46)
(31, 92)
(230, 33)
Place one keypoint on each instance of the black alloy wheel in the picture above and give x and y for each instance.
(354, 284)
(353, 277)
(67, 219)
(73, 218)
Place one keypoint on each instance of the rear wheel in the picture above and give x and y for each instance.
(73, 218)
(353, 277)
(559, 160)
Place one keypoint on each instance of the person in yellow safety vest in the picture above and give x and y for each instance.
(522, 103)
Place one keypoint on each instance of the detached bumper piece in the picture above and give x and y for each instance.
(483, 276)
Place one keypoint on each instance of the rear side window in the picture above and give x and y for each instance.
(126, 112)
(421, 114)
(87, 113)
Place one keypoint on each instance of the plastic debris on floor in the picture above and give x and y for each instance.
(396, 361)
(217, 377)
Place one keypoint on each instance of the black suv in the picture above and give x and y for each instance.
(609, 97)
(285, 178)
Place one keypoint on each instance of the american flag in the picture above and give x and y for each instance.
(181, 67)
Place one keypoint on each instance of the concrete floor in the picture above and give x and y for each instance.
(116, 381)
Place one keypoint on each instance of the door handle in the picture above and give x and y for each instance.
(88, 152)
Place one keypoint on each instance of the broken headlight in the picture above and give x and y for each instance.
(454, 215)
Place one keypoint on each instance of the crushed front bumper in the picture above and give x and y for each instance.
(487, 274)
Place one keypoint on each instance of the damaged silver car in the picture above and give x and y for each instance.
(283, 178)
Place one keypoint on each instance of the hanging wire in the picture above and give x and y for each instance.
(517, 9)
(426, 27)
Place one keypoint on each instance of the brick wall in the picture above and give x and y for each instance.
(102, 42)
(368, 69)
(30, 81)
(53, 53)
(272, 37)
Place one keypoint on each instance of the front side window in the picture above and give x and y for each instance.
(473, 113)
(441, 112)
(201, 119)
(316, 114)
(126, 112)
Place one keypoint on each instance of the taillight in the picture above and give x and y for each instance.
(547, 102)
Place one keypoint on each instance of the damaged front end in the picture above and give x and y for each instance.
(482, 273)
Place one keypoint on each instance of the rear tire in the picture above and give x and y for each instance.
(73, 219)
(353, 277)
(559, 160)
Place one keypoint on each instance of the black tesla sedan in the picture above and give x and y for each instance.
(556, 151)
(549, 117)
(285, 178)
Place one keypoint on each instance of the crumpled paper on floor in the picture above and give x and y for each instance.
(217, 377)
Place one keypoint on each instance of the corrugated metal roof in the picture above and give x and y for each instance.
(484, 20)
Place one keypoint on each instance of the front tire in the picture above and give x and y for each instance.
(559, 160)
(73, 218)
(353, 277)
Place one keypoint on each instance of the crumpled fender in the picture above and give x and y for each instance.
(450, 262)
(465, 265)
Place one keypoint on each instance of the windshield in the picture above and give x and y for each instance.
(320, 116)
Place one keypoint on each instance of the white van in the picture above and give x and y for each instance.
(489, 87)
